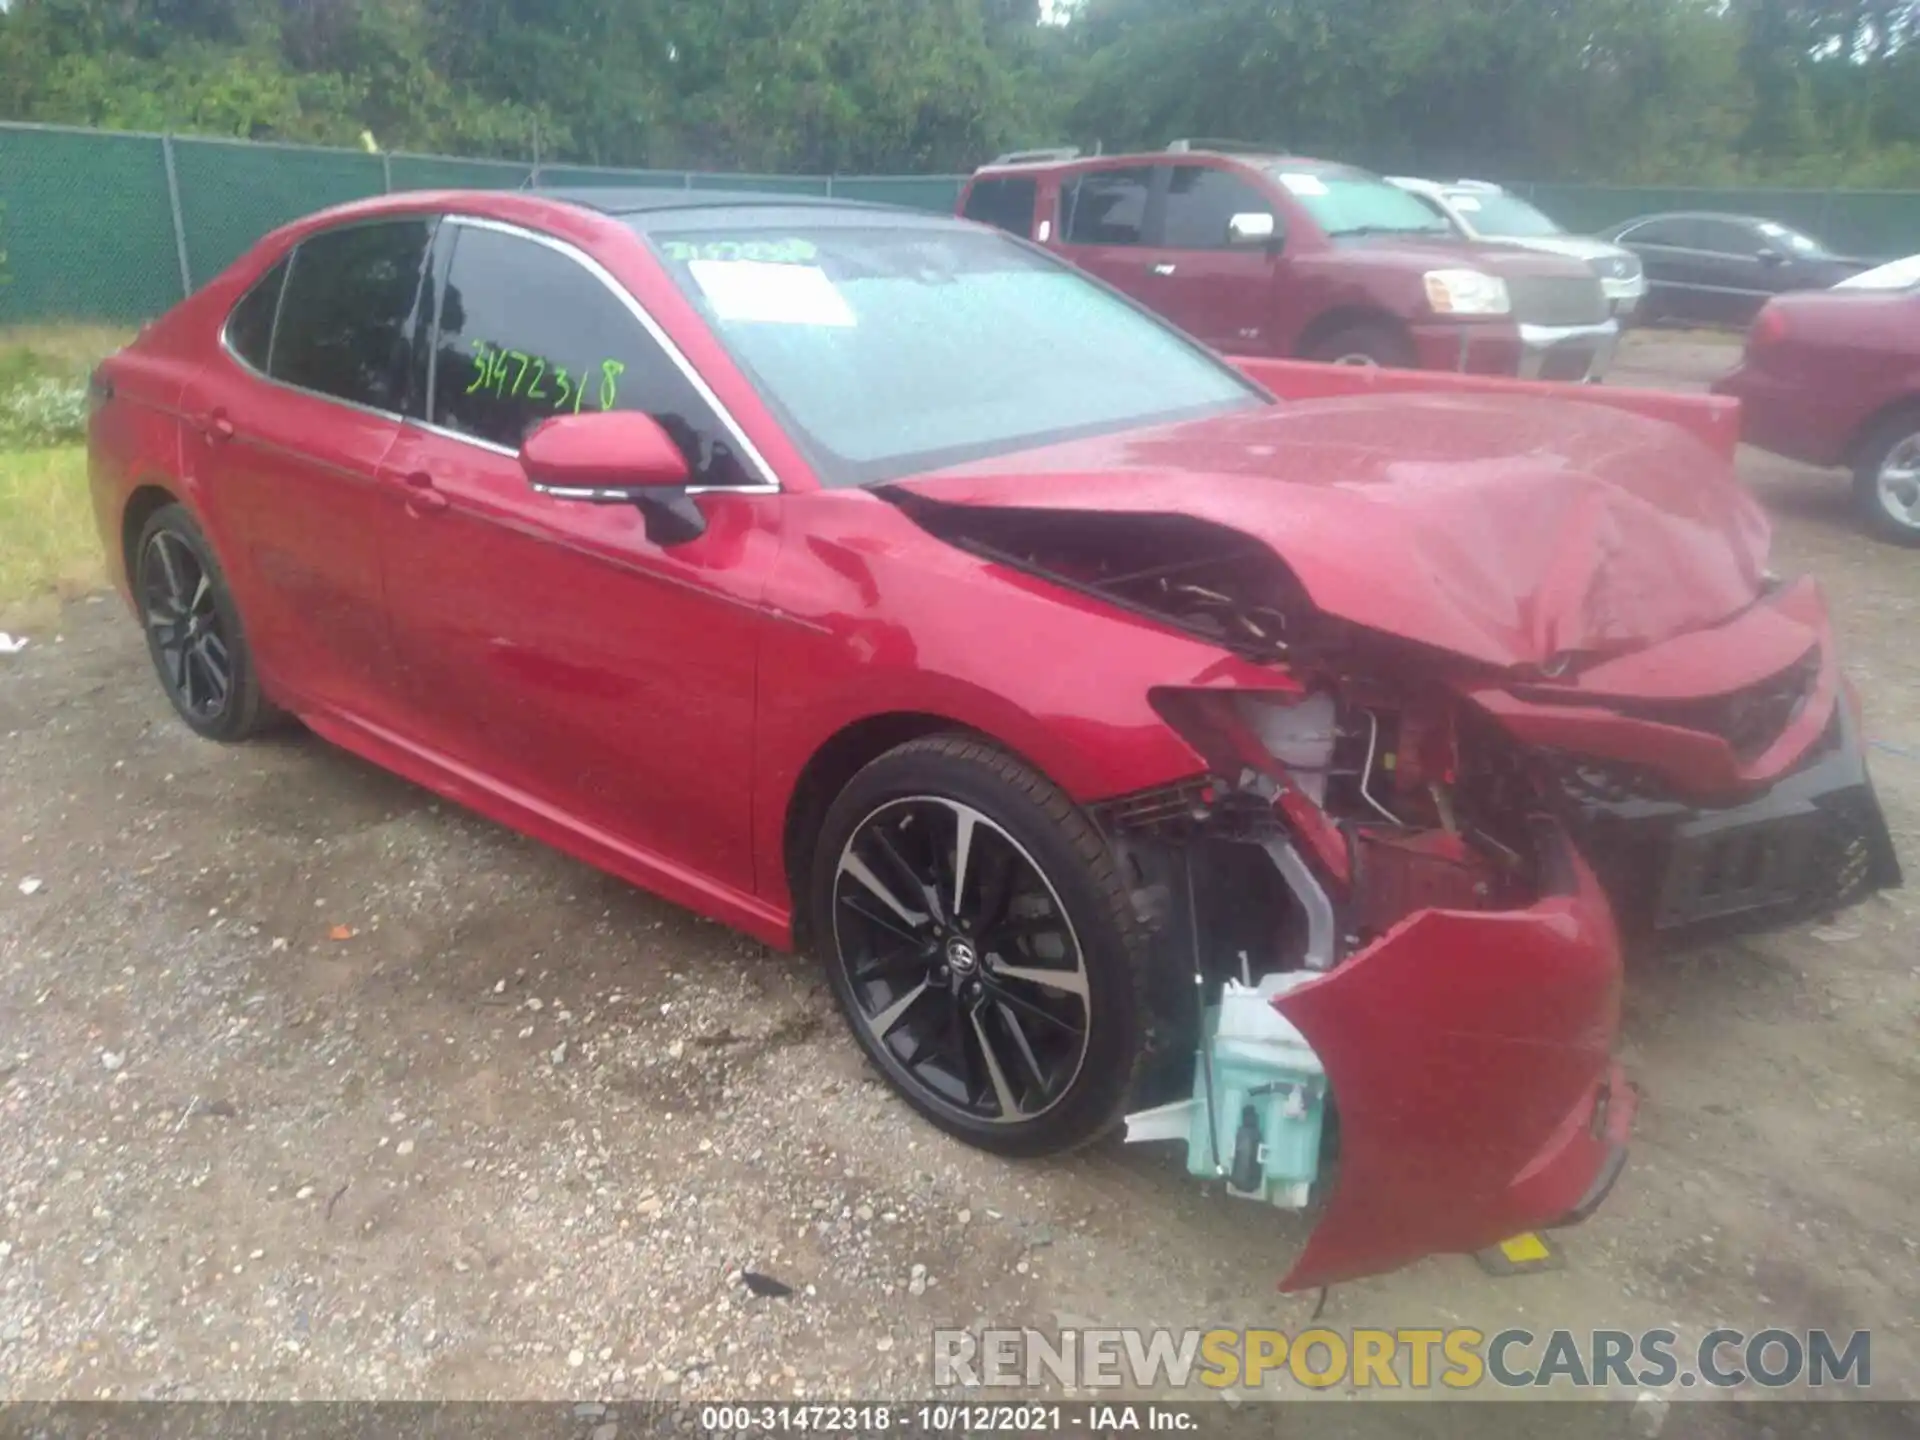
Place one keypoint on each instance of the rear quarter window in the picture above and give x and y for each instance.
(1004, 202)
(250, 326)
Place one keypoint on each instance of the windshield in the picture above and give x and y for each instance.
(1501, 216)
(1351, 202)
(1791, 240)
(889, 351)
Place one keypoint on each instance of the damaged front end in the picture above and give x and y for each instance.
(1390, 911)
(1390, 1004)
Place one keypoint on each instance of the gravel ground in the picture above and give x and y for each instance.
(312, 1087)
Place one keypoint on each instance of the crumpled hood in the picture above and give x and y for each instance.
(1507, 531)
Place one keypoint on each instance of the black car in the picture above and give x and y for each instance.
(1720, 269)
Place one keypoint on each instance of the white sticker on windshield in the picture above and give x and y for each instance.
(1301, 183)
(1465, 203)
(760, 292)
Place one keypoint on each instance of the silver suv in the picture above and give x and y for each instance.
(1481, 210)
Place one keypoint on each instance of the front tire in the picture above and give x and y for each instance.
(1886, 481)
(981, 944)
(1366, 344)
(194, 634)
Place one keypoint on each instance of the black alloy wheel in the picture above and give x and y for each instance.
(982, 960)
(193, 631)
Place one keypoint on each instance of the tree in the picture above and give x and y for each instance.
(1636, 90)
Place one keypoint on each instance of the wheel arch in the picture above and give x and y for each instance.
(1346, 317)
(837, 760)
(1869, 429)
(148, 498)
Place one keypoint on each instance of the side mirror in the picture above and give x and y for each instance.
(1253, 228)
(612, 457)
(1770, 256)
(616, 457)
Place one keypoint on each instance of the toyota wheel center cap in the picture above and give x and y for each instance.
(962, 959)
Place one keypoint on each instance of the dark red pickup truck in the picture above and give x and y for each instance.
(1270, 254)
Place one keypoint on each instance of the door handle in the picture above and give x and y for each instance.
(422, 498)
(216, 426)
(1163, 268)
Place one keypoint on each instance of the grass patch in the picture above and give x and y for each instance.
(43, 381)
(61, 352)
(49, 548)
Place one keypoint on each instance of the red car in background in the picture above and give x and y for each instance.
(1832, 377)
(1256, 252)
(880, 584)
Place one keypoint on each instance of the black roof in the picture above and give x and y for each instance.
(636, 205)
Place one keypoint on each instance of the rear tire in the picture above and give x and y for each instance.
(1368, 343)
(1015, 1020)
(194, 635)
(1886, 479)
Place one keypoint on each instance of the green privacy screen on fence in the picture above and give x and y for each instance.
(98, 225)
(89, 228)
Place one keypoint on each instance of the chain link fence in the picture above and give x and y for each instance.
(1880, 224)
(108, 226)
(113, 227)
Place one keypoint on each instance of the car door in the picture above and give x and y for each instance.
(1666, 255)
(1105, 228)
(1219, 292)
(584, 669)
(1735, 269)
(289, 430)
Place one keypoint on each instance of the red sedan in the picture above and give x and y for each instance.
(1832, 377)
(1120, 737)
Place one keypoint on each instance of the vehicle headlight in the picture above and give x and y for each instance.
(1467, 292)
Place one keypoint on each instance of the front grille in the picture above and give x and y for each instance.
(1812, 843)
(1557, 300)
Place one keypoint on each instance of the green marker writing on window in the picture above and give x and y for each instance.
(516, 374)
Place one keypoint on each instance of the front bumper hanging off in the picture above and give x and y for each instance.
(1469, 1055)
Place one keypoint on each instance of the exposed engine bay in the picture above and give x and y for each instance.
(1372, 784)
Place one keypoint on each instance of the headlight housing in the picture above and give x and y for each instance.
(1467, 292)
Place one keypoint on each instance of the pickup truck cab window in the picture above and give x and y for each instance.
(1201, 199)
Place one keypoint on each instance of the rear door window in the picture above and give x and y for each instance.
(1109, 207)
(346, 315)
(526, 332)
(1006, 202)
